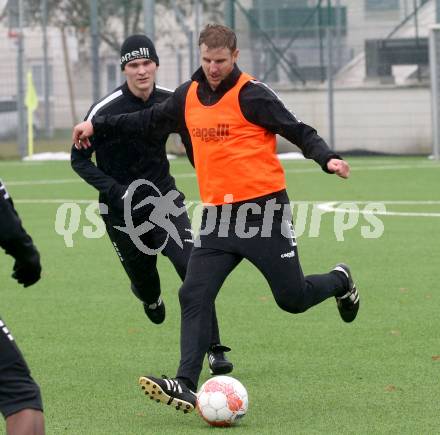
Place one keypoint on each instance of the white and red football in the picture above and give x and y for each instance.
(222, 400)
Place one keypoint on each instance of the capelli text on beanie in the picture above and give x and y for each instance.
(138, 47)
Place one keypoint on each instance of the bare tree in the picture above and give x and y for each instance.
(115, 15)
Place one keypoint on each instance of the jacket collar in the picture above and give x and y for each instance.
(126, 91)
(227, 84)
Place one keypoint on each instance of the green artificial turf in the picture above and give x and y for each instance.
(87, 340)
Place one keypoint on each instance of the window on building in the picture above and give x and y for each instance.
(38, 79)
(381, 5)
(300, 22)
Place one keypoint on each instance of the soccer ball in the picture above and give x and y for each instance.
(222, 400)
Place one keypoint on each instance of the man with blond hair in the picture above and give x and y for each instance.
(232, 121)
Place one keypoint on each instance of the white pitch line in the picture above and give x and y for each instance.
(40, 182)
(366, 168)
(398, 213)
(328, 206)
(185, 175)
(26, 163)
(54, 201)
(396, 167)
(192, 174)
(332, 208)
(384, 201)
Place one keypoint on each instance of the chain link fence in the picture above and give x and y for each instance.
(357, 70)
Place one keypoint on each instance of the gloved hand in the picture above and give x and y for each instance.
(27, 272)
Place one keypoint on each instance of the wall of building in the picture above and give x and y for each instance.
(389, 119)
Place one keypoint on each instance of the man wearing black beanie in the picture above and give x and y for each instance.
(125, 160)
(138, 47)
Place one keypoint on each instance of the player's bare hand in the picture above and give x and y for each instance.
(339, 167)
(81, 133)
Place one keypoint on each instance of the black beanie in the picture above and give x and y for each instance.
(138, 47)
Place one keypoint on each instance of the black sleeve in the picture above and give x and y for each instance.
(261, 106)
(141, 123)
(125, 124)
(176, 110)
(169, 116)
(13, 237)
(186, 140)
(81, 161)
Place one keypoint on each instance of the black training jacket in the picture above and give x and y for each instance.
(258, 103)
(124, 157)
(13, 237)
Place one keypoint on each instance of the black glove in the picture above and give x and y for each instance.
(27, 272)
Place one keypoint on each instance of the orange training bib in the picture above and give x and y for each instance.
(235, 160)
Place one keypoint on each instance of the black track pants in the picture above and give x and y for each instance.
(277, 259)
(18, 390)
(141, 267)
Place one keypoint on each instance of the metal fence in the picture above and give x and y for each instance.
(357, 70)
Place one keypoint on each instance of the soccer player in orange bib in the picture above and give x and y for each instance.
(232, 120)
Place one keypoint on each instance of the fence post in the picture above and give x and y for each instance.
(434, 60)
(330, 89)
(21, 134)
(95, 48)
(149, 28)
(48, 130)
(230, 14)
